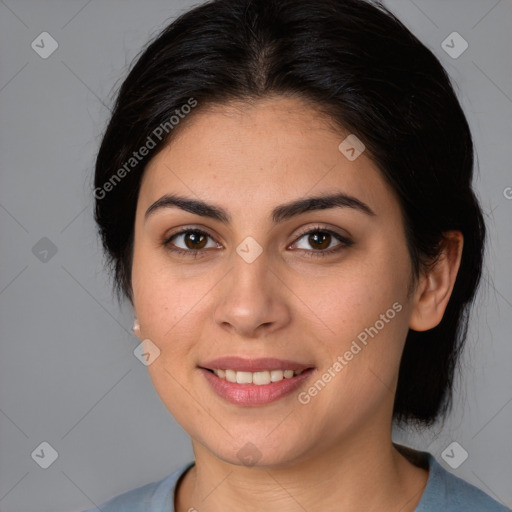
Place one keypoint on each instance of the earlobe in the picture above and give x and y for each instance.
(435, 287)
(136, 328)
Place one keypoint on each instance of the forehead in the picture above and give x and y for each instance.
(262, 153)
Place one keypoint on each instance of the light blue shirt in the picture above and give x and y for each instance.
(444, 492)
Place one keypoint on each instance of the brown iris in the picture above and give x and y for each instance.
(195, 240)
(319, 240)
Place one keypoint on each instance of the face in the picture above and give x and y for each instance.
(317, 286)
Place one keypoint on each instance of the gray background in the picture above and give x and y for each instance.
(68, 375)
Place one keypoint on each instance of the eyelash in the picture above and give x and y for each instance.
(344, 242)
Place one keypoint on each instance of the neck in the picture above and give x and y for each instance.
(364, 472)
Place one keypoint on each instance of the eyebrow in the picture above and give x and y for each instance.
(279, 214)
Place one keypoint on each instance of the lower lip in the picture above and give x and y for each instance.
(253, 394)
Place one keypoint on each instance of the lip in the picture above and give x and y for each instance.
(241, 364)
(250, 395)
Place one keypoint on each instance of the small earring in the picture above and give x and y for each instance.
(136, 326)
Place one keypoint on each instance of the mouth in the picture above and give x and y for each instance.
(250, 382)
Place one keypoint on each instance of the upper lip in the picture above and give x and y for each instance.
(253, 365)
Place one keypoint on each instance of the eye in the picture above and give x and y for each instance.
(189, 241)
(322, 241)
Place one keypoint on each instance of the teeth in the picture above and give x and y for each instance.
(261, 378)
(258, 378)
(230, 375)
(276, 375)
(244, 377)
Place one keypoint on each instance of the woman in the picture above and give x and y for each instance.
(284, 192)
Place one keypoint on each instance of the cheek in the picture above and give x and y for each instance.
(347, 301)
(161, 297)
(173, 310)
(362, 317)
(168, 308)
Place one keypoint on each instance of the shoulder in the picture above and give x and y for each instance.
(447, 492)
(151, 497)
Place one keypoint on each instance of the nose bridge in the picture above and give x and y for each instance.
(250, 282)
(250, 298)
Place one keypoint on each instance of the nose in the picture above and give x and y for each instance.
(252, 301)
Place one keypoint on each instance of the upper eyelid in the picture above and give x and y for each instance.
(325, 229)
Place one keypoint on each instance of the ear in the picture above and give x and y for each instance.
(435, 286)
